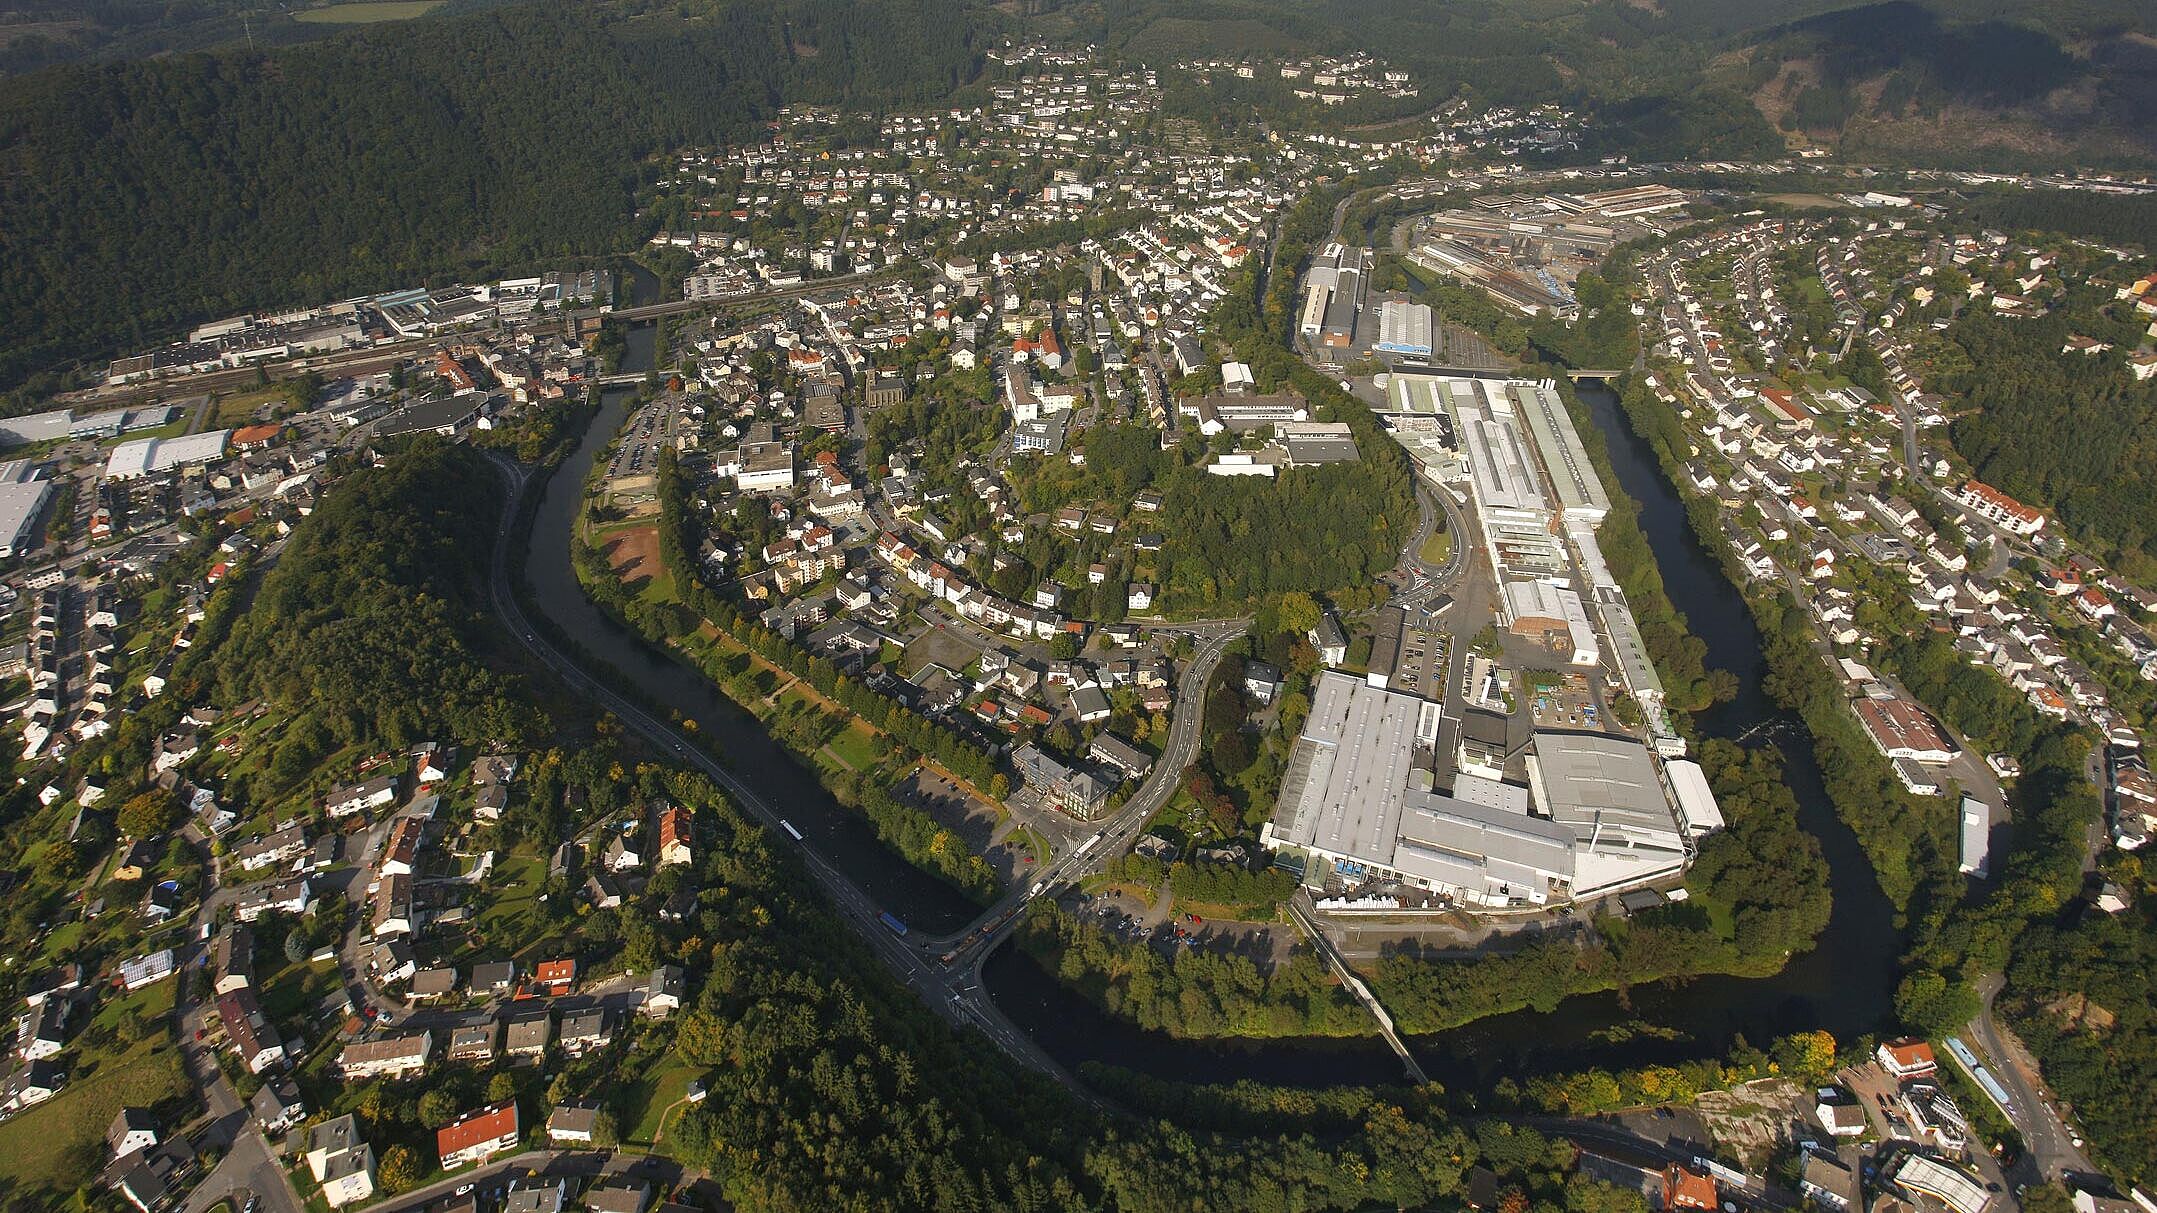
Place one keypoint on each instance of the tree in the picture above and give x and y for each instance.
(1063, 646)
(147, 815)
(606, 1130)
(1298, 613)
(502, 1086)
(439, 1107)
(399, 1171)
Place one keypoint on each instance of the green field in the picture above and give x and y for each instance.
(368, 13)
(1436, 548)
(49, 1145)
(658, 1090)
(854, 747)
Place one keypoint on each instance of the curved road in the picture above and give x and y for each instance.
(977, 942)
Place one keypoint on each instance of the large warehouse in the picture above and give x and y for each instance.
(22, 498)
(1406, 328)
(154, 456)
(1595, 817)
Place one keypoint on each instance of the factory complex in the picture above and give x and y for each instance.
(1464, 786)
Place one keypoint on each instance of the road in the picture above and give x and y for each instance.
(970, 949)
(250, 1166)
(2048, 1142)
(958, 1003)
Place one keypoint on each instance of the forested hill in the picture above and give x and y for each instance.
(137, 197)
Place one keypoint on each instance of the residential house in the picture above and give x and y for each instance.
(663, 991)
(493, 978)
(677, 828)
(583, 1031)
(131, 1129)
(282, 846)
(341, 1161)
(253, 1038)
(277, 1106)
(529, 1036)
(474, 1042)
(1907, 1058)
(394, 1056)
(572, 1124)
(478, 1135)
(555, 977)
(359, 797)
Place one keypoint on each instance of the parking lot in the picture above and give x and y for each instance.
(1569, 704)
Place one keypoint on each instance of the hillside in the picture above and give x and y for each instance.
(136, 197)
(140, 195)
(2010, 81)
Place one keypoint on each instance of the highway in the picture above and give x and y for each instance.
(958, 1001)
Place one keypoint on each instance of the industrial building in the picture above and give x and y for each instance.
(1579, 490)
(1606, 790)
(1595, 816)
(1544, 609)
(23, 494)
(155, 456)
(1406, 328)
(1976, 838)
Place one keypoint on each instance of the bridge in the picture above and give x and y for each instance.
(1355, 986)
(1577, 376)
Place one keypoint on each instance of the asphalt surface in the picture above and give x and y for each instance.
(2048, 1142)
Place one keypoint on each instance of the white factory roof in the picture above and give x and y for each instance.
(1602, 786)
(1697, 810)
(1579, 488)
(150, 456)
(1348, 775)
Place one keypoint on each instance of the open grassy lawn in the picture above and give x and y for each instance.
(239, 409)
(512, 907)
(651, 1096)
(854, 747)
(369, 12)
(49, 1144)
(1436, 548)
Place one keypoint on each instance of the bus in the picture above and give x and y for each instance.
(788, 826)
(897, 927)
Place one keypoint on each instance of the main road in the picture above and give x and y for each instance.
(965, 952)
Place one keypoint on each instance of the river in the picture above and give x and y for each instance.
(842, 836)
(1844, 985)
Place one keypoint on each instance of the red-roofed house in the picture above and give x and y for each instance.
(1907, 1058)
(2000, 509)
(555, 976)
(477, 1136)
(1684, 1188)
(254, 437)
(676, 827)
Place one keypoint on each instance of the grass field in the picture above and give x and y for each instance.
(368, 13)
(47, 1145)
(653, 1094)
(854, 747)
(1436, 548)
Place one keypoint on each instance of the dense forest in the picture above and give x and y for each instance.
(136, 197)
(2013, 411)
